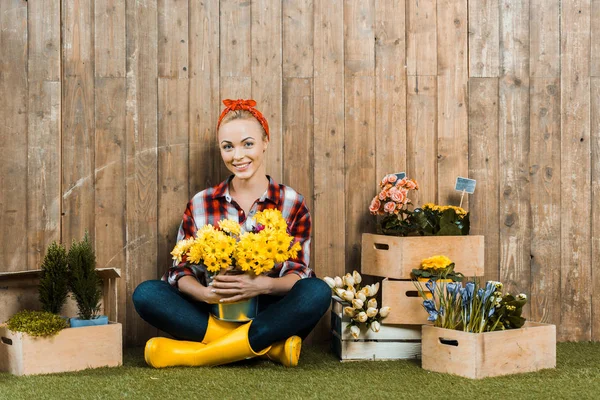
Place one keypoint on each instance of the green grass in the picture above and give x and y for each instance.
(319, 376)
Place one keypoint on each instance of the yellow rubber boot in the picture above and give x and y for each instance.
(217, 329)
(286, 352)
(163, 352)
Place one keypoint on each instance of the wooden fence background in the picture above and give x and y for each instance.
(108, 108)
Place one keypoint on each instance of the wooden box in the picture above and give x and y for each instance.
(480, 355)
(396, 256)
(72, 349)
(392, 342)
(405, 302)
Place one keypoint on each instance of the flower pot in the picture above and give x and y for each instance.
(100, 320)
(241, 311)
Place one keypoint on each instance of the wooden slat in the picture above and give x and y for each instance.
(359, 36)
(78, 120)
(172, 164)
(484, 38)
(205, 103)
(452, 113)
(545, 38)
(109, 39)
(267, 75)
(328, 213)
(390, 89)
(421, 45)
(13, 134)
(360, 177)
(595, 144)
(421, 137)
(43, 25)
(515, 216)
(141, 168)
(298, 136)
(297, 20)
(235, 42)
(110, 208)
(173, 38)
(595, 38)
(575, 172)
(43, 163)
(545, 176)
(44, 124)
(483, 167)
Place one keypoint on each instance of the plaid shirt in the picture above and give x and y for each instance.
(214, 204)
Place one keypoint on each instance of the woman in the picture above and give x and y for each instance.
(291, 299)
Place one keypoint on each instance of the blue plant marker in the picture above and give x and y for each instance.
(465, 185)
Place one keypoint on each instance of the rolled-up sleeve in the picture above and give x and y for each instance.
(300, 229)
(187, 229)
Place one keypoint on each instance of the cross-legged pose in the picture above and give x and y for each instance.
(291, 299)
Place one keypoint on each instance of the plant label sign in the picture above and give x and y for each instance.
(400, 175)
(465, 185)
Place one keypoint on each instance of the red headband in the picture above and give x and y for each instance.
(248, 105)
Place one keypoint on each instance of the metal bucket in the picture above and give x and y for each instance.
(236, 312)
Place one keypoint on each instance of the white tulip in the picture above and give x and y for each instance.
(366, 290)
(340, 292)
(348, 296)
(329, 281)
(348, 280)
(362, 316)
(371, 312)
(375, 326)
(357, 303)
(357, 277)
(338, 282)
(361, 296)
(355, 331)
(351, 289)
(349, 311)
(384, 311)
(374, 289)
(372, 303)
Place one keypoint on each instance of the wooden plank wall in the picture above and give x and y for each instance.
(108, 108)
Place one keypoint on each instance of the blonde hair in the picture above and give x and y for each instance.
(242, 114)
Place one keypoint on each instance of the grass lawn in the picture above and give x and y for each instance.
(319, 376)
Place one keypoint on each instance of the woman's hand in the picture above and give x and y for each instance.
(232, 288)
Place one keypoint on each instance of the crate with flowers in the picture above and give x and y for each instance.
(478, 331)
(406, 235)
(357, 332)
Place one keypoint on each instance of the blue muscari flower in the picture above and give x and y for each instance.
(492, 311)
(452, 288)
(470, 289)
(479, 293)
(433, 315)
(429, 305)
(490, 288)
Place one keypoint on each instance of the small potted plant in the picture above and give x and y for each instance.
(437, 268)
(36, 323)
(54, 281)
(85, 284)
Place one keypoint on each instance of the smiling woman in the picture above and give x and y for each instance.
(291, 299)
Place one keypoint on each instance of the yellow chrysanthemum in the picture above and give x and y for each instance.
(271, 219)
(230, 226)
(181, 248)
(434, 207)
(436, 263)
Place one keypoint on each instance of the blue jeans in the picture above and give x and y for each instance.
(279, 317)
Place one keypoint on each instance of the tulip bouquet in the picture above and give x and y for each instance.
(472, 308)
(227, 248)
(435, 268)
(363, 308)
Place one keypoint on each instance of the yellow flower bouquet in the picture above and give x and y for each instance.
(226, 248)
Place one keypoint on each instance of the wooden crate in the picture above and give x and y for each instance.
(396, 256)
(72, 349)
(480, 355)
(392, 342)
(406, 303)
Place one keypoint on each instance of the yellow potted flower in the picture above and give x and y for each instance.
(227, 249)
(437, 268)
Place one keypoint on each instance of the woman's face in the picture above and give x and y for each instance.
(242, 147)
